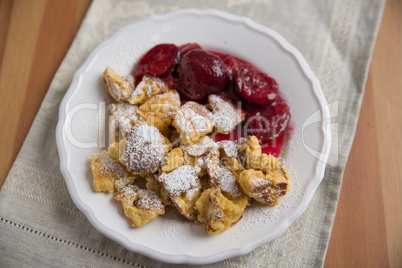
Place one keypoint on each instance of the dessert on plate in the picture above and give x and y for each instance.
(202, 128)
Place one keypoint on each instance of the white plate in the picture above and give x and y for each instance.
(169, 238)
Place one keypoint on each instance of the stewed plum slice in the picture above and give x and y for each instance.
(202, 73)
(256, 86)
(172, 77)
(184, 49)
(157, 61)
(269, 121)
(233, 64)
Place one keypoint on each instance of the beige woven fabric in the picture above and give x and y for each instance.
(39, 224)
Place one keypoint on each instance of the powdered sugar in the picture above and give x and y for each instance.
(259, 182)
(149, 90)
(148, 85)
(169, 102)
(130, 79)
(127, 195)
(229, 147)
(137, 92)
(226, 115)
(199, 148)
(192, 193)
(110, 165)
(227, 181)
(120, 126)
(117, 86)
(131, 195)
(180, 180)
(165, 103)
(123, 109)
(144, 149)
(124, 115)
(116, 91)
(193, 120)
(149, 200)
(120, 183)
(201, 161)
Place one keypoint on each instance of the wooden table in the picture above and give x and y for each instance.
(35, 36)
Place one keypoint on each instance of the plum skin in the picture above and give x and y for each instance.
(202, 73)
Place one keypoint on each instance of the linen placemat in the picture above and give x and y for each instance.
(40, 225)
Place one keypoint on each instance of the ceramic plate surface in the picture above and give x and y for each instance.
(170, 238)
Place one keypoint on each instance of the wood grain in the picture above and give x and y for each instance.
(19, 48)
(358, 236)
(367, 228)
(35, 36)
(5, 17)
(386, 72)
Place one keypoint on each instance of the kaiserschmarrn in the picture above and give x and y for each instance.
(171, 146)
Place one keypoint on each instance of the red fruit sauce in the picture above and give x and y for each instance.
(197, 73)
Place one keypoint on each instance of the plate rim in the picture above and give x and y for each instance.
(185, 258)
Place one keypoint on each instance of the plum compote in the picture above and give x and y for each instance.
(256, 86)
(158, 61)
(196, 73)
(267, 122)
(202, 73)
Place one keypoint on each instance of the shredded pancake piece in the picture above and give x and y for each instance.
(193, 121)
(184, 189)
(203, 146)
(196, 161)
(265, 189)
(139, 205)
(185, 202)
(226, 115)
(217, 212)
(122, 119)
(173, 160)
(250, 152)
(154, 185)
(180, 180)
(144, 149)
(228, 148)
(148, 87)
(108, 173)
(160, 109)
(118, 87)
(227, 181)
(222, 177)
